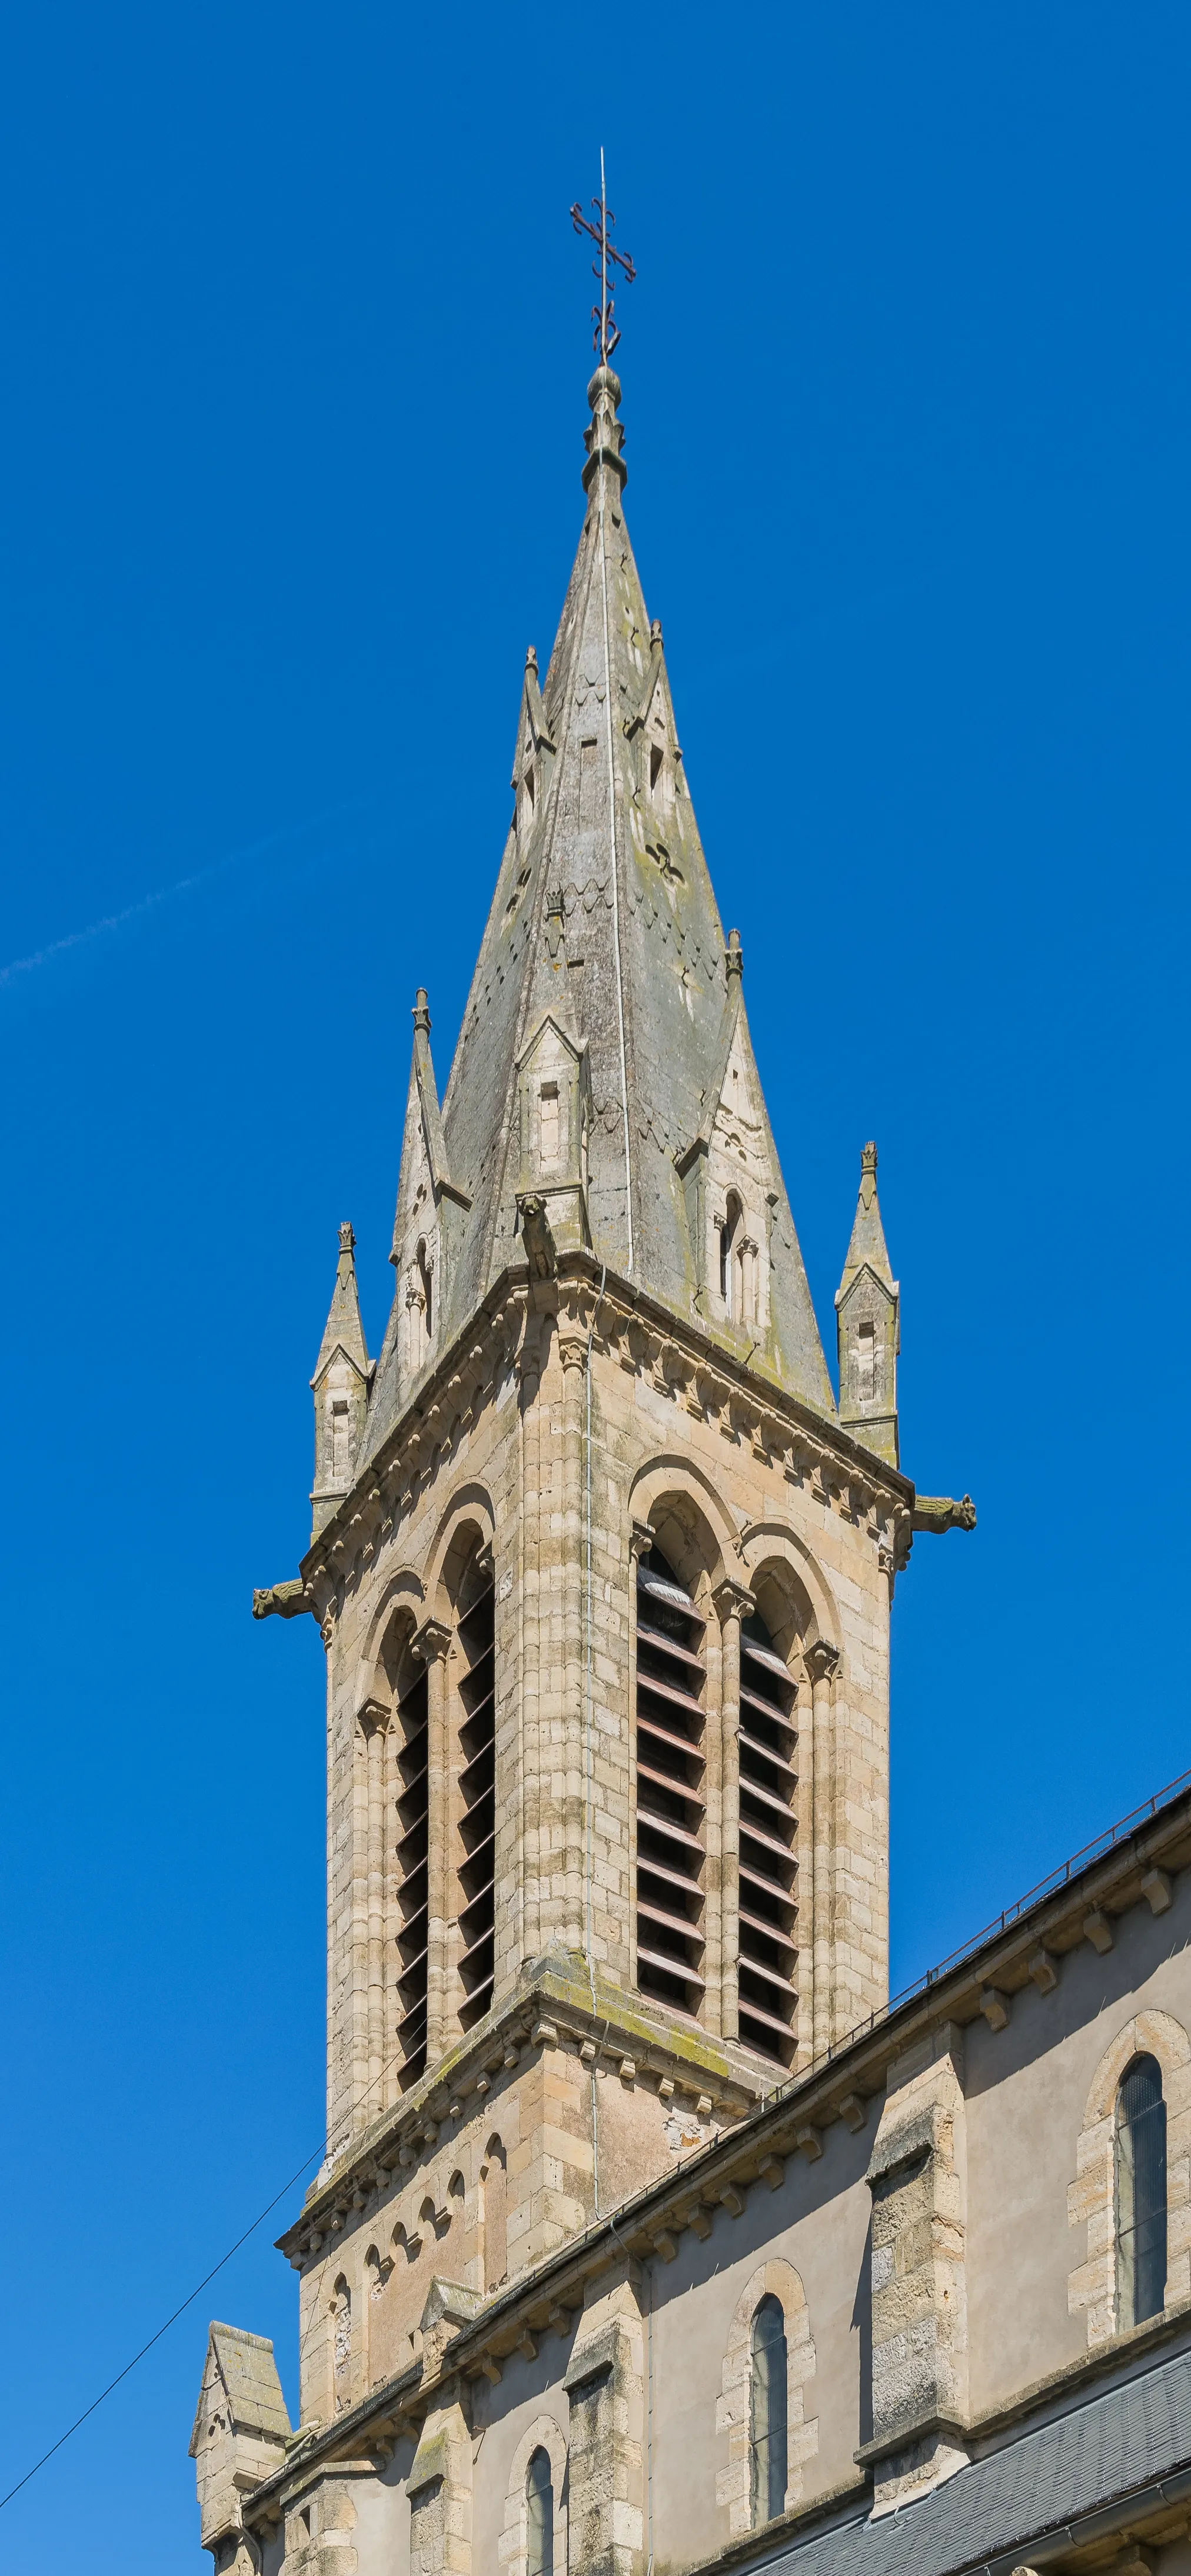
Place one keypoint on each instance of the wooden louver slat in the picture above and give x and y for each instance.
(671, 1678)
(767, 1953)
(477, 1787)
(411, 1855)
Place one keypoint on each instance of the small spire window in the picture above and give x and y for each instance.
(539, 2516)
(1141, 2193)
(767, 2412)
(424, 1275)
(866, 1363)
(550, 1123)
(340, 1440)
(729, 1237)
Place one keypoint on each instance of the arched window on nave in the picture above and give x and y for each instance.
(539, 2515)
(767, 2412)
(1141, 2193)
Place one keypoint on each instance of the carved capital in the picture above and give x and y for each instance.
(373, 1718)
(822, 1660)
(641, 1538)
(572, 1349)
(432, 1642)
(732, 1601)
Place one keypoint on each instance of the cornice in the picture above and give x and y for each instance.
(683, 1362)
(722, 2079)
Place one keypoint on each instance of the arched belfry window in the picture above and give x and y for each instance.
(1141, 2193)
(671, 1678)
(539, 2516)
(768, 1827)
(476, 1631)
(767, 2412)
(413, 1862)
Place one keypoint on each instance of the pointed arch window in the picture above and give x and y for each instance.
(494, 2177)
(539, 2516)
(1141, 2193)
(671, 1678)
(767, 2412)
(768, 1828)
(477, 1783)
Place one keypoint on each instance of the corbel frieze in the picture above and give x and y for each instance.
(678, 1364)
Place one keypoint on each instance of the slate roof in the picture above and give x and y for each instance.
(642, 946)
(1000, 2506)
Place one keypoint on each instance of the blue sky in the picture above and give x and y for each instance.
(295, 345)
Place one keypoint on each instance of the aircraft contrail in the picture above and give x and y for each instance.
(182, 885)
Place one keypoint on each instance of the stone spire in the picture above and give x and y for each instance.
(868, 1327)
(342, 1376)
(594, 1051)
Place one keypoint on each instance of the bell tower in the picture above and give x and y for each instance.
(603, 1573)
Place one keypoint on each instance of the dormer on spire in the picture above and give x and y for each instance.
(342, 1377)
(868, 1325)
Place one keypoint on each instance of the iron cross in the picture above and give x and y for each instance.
(605, 335)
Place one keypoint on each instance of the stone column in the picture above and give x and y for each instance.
(358, 1995)
(816, 1909)
(432, 1643)
(373, 1725)
(572, 1350)
(732, 1604)
(390, 1792)
(528, 1368)
(605, 2384)
(641, 1538)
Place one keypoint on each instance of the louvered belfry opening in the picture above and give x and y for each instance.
(671, 1688)
(768, 1858)
(477, 1785)
(413, 1864)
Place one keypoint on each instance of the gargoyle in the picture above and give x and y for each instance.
(940, 1512)
(540, 1250)
(281, 1600)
